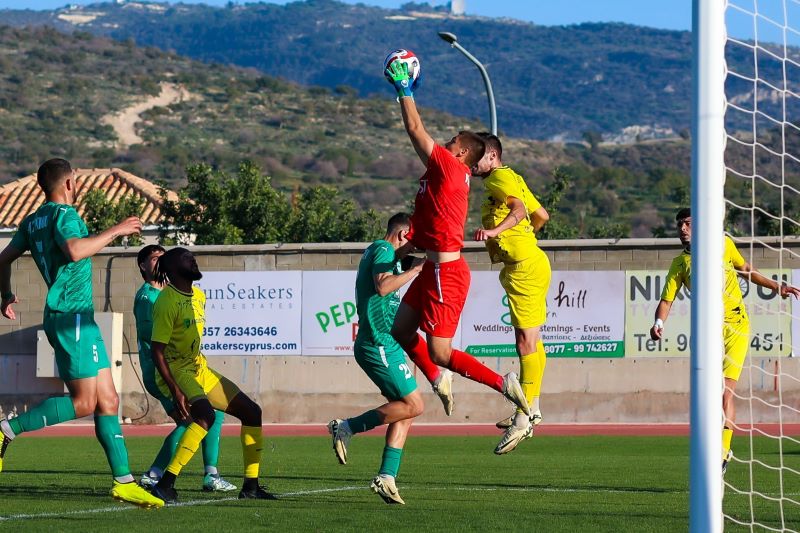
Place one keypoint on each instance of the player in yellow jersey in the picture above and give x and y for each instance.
(511, 215)
(178, 321)
(736, 327)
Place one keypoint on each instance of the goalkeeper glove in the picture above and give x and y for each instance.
(397, 74)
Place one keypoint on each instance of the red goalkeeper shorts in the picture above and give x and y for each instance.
(438, 294)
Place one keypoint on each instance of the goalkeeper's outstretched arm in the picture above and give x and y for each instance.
(397, 75)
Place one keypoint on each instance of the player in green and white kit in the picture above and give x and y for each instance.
(379, 279)
(60, 245)
(143, 304)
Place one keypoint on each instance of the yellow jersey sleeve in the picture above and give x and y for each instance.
(732, 254)
(676, 278)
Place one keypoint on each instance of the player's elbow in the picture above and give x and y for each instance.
(71, 251)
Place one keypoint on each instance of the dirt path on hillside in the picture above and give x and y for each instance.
(124, 122)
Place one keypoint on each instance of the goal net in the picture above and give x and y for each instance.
(761, 132)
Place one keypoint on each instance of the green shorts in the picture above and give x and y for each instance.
(386, 366)
(78, 344)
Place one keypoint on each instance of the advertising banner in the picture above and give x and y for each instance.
(330, 321)
(251, 313)
(769, 325)
(585, 316)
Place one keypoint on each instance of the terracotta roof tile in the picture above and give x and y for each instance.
(23, 196)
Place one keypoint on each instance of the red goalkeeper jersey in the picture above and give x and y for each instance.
(440, 209)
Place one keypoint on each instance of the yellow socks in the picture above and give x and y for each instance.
(727, 435)
(531, 373)
(187, 447)
(252, 444)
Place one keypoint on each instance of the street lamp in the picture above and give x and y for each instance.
(452, 40)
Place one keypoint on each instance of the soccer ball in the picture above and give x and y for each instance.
(407, 57)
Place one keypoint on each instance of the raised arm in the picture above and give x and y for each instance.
(397, 74)
(80, 248)
(387, 283)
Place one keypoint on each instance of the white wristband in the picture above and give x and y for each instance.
(659, 324)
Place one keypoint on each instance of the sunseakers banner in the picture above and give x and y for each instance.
(585, 316)
(770, 329)
(589, 314)
(251, 313)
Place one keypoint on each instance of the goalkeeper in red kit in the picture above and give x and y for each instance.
(435, 299)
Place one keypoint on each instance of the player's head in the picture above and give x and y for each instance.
(492, 157)
(397, 229)
(467, 146)
(683, 221)
(147, 259)
(177, 264)
(55, 175)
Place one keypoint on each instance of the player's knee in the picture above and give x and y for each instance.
(252, 415)
(440, 354)
(202, 413)
(415, 405)
(108, 402)
(84, 404)
(400, 334)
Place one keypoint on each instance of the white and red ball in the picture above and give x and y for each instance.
(407, 57)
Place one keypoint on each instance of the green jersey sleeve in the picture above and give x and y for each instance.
(383, 259)
(68, 226)
(20, 239)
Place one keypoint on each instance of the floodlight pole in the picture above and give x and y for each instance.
(708, 211)
(451, 39)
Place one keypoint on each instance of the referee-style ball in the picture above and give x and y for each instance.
(407, 57)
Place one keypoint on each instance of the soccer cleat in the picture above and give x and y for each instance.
(256, 493)
(168, 494)
(443, 387)
(8, 436)
(215, 483)
(133, 493)
(512, 437)
(341, 438)
(513, 391)
(385, 487)
(507, 422)
(728, 457)
(148, 481)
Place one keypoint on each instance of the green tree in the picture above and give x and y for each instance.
(100, 213)
(214, 208)
(556, 227)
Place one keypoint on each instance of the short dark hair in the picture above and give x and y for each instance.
(167, 263)
(683, 213)
(51, 173)
(145, 252)
(398, 222)
(472, 142)
(492, 142)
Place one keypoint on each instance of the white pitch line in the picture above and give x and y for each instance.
(193, 503)
(190, 503)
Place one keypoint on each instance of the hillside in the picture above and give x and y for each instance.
(549, 82)
(58, 91)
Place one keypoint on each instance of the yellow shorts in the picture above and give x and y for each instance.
(197, 381)
(736, 337)
(526, 283)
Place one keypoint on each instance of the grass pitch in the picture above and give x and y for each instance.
(591, 483)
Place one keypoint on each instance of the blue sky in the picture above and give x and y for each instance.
(667, 14)
(671, 14)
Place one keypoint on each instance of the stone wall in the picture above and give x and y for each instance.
(315, 389)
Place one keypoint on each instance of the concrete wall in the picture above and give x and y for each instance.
(315, 389)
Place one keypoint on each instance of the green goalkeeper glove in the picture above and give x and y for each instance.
(397, 75)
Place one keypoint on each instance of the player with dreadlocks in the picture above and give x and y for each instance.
(178, 320)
